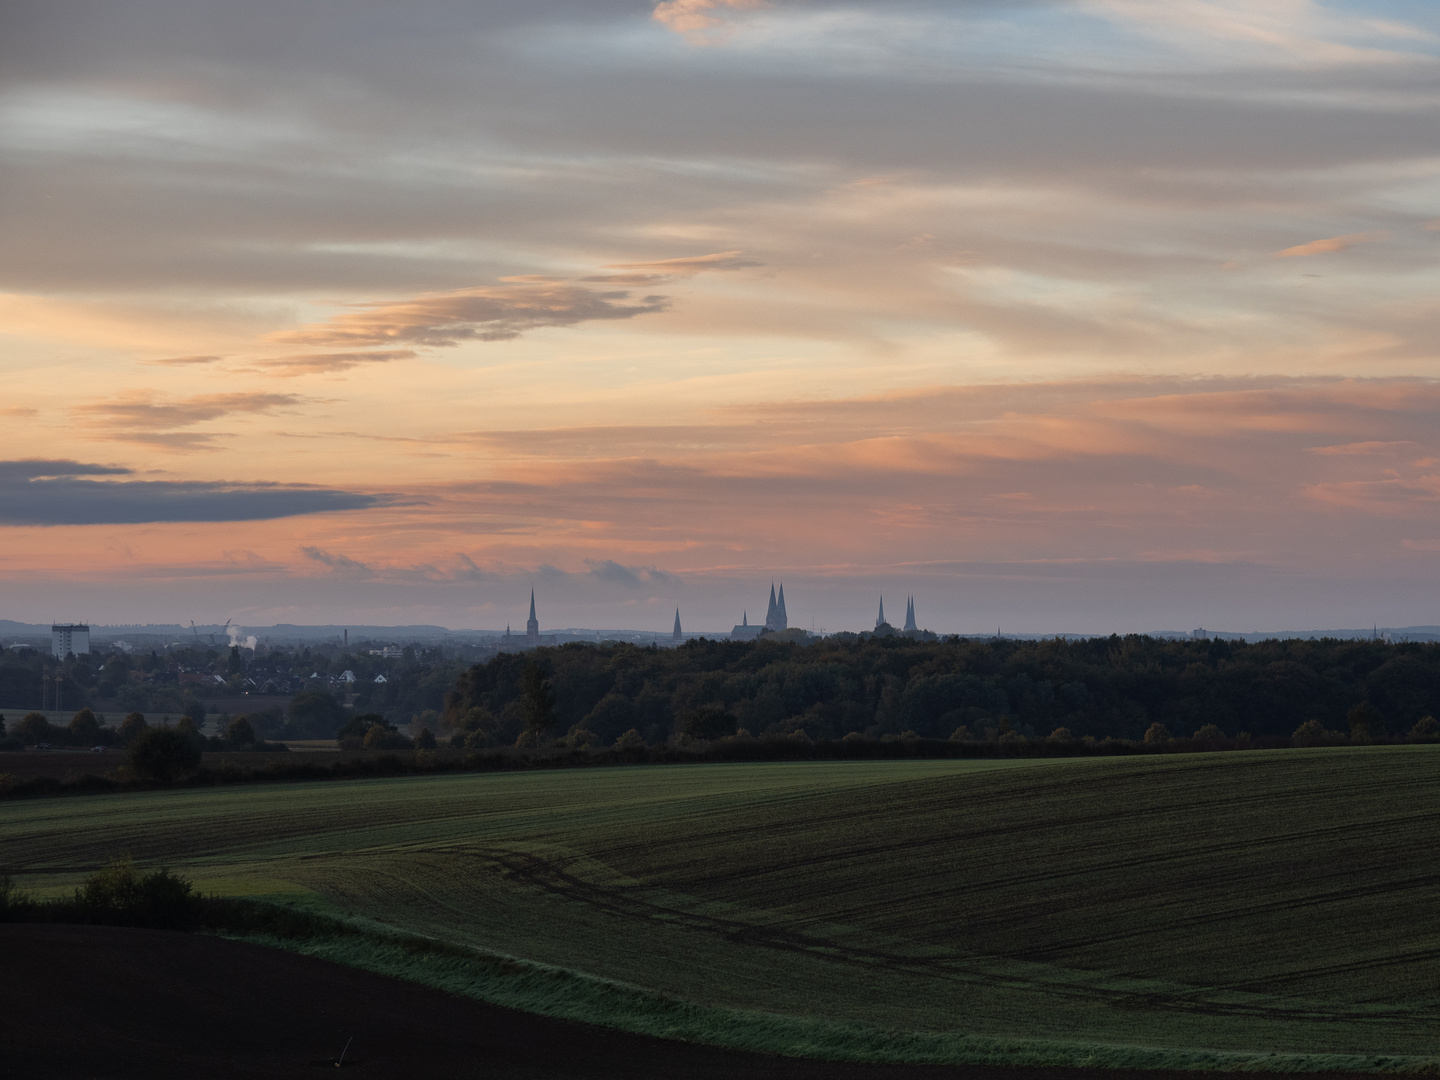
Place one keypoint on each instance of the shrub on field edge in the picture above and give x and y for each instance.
(1209, 737)
(383, 736)
(425, 739)
(1061, 735)
(121, 893)
(1156, 735)
(1426, 729)
(631, 740)
(1314, 733)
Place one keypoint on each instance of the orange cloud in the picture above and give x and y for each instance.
(1331, 244)
(694, 18)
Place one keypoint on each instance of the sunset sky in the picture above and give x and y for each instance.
(1084, 316)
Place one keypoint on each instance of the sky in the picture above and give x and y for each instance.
(1080, 316)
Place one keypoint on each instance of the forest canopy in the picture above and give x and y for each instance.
(983, 689)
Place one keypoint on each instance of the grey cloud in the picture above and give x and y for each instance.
(631, 577)
(496, 313)
(338, 563)
(38, 492)
(37, 468)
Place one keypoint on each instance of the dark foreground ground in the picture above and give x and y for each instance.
(88, 1001)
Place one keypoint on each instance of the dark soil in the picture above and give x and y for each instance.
(96, 1001)
(24, 764)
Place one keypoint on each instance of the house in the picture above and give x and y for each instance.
(381, 679)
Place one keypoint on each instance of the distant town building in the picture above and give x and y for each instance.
(677, 636)
(745, 631)
(775, 618)
(880, 619)
(910, 614)
(381, 679)
(532, 624)
(67, 638)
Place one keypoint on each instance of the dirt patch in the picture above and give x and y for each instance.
(59, 763)
(90, 1001)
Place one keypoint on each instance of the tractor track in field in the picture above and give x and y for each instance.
(630, 903)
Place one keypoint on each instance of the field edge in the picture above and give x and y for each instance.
(565, 994)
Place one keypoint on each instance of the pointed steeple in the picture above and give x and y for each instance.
(770, 610)
(745, 618)
(880, 619)
(910, 614)
(782, 621)
(677, 635)
(532, 625)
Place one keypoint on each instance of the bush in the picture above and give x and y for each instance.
(120, 893)
(162, 754)
(1156, 735)
(383, 736)
(359, 726)
(631, 740)
(425, 740)
(1209, 736)
(1426, 729)
(1313, 733)
(1062, 735)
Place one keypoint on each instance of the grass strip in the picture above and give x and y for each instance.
(558, 992)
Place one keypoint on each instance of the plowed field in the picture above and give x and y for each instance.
(1282, 901)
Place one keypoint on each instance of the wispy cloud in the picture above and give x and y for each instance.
(289, 367)
(143, 417)
(491, 313)
(1331, 244)
(184, 361)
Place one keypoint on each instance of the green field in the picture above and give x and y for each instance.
(1260, 902)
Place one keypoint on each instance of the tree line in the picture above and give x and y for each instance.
(1131, 688)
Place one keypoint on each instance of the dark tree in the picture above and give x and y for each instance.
(314, 714)
(132, 727)
(425, 740)
(240, 733)
(34, 728)
(1366, 723)
(84, 728)
(537, 699)
(163, 754)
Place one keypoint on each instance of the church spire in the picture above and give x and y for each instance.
(532, 624)
(880, 619)
(782, 621)
(910, 614)
(677, 635)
